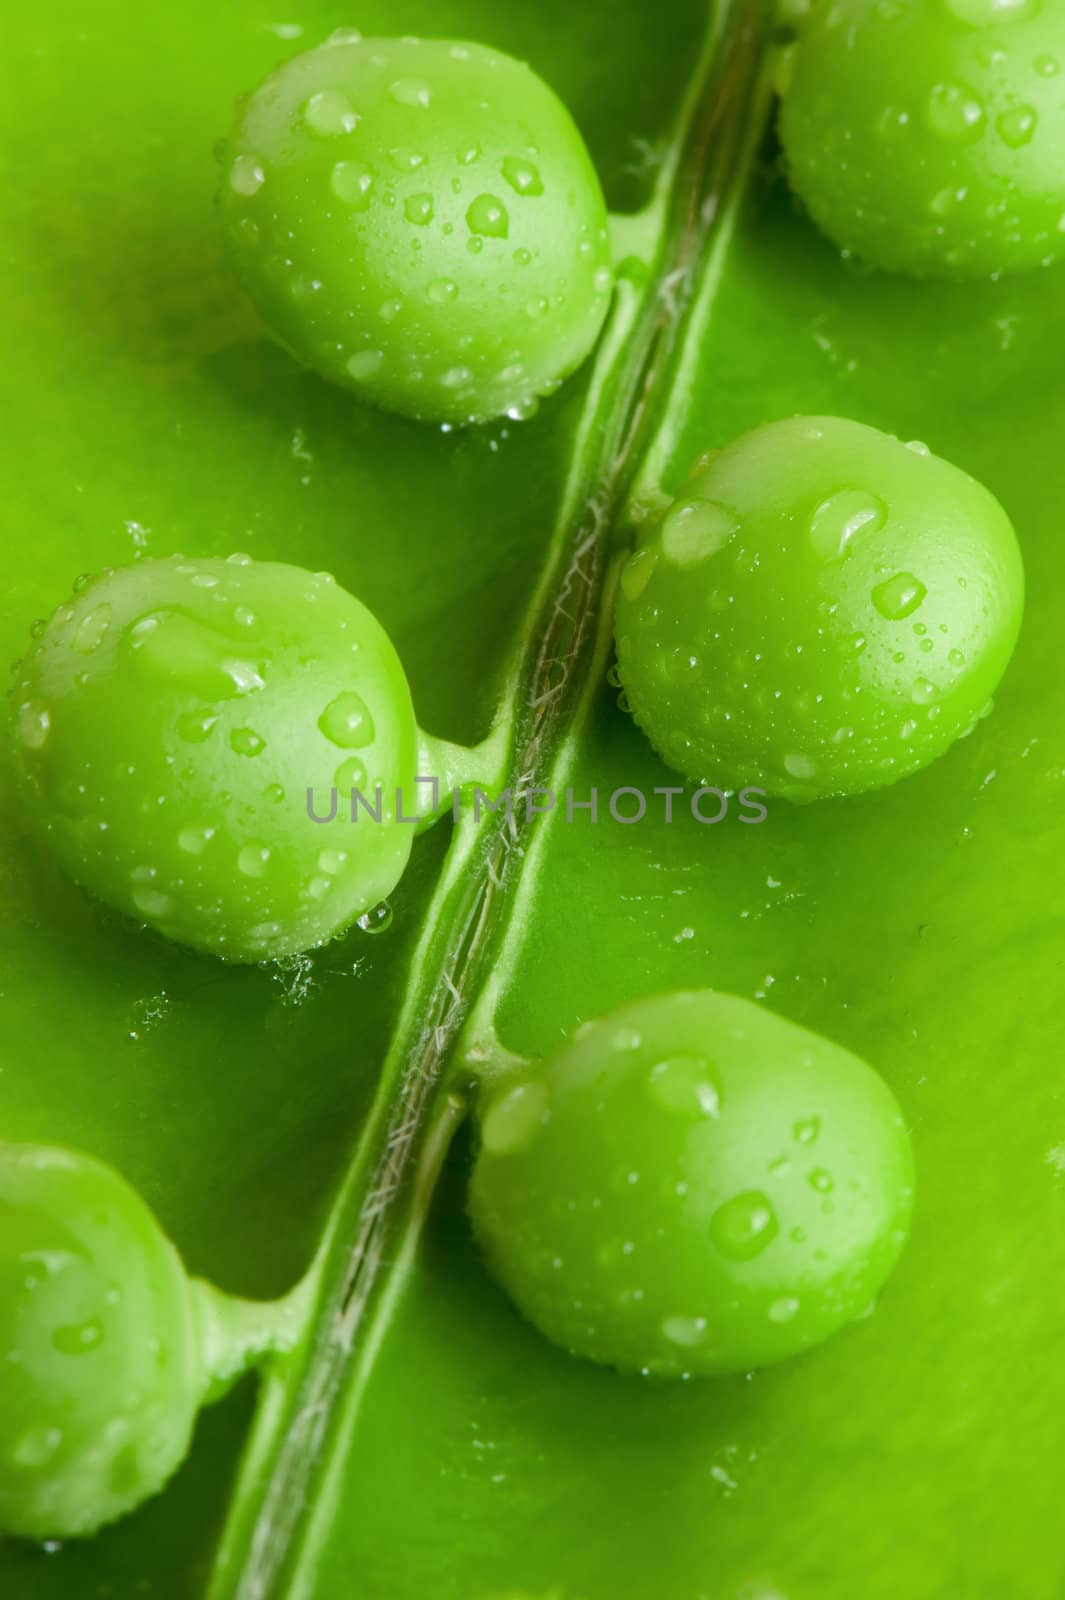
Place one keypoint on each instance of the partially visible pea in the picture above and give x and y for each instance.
(692, 1185)
(929, 135)
(419, 220)
(170, 721)
(824, 611)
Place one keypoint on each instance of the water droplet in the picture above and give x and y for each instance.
(177, 647)
(346, 721)
(684, 1331)
(332, 861)
(36, 1447)
(821, 1180)
(537, 307)
(194, 726)
(513, 1118)
(487, 215)
(246, 742)
(365, 364)
(899, 597)
(522, 176)
(194, 841)
(841, 516)
(1016, 127)
(456, 377)
(411, 92)
(956, 658)
(688, 1084)
(469, 154)
(955, 112)
(923, 692)
(784, 1309)
(252, 860)
(522, 258)
(151, 902)
(806, 1130)
(376, 920)
(418, 208)
(246, 175)
(342, 36)
(797, 765)
(77, 1339)
(694, 530)
(329, 112)
(406, 160)
(1047, 66)
(351, 181)
(33, 724)
(318, 887)
(389, 310)
(743, 1226)
(984, 13)
(636, 573)
(441, 290)
(918, 447)
(351, 774)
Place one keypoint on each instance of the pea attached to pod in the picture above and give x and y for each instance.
(823, 611)
(419, 221)
(927, 136)
(107, 1348)
(691, 1186)
(171, 722)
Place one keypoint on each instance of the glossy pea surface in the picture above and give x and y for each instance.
(823, 611)
(100, 1370)
(692, 1186)
(169, 721)
(928, 136)
(419, 220)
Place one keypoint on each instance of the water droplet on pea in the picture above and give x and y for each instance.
(441, 290)
(151, 902)
(246, 742)
(418, 208)
(457, 378)
(246, 175)
(252, 860)
(77, 1339)
(487, 216)
(899, 597)
(821, 1180)
(684, 1331)
(522, 176)
(923, 692)
(514, 1117)
(985, 13)
(351, 181)
(33, 724)
(744, 1226)
(843, 515)
(955, 112)
(637, 571)
(365, 364)
(411, 92)
(346, 721)
(36, 1447)
(377, 919)
(178, 647)
(1016, 127)
(694, 530)
(806, 1130)
(329, 113)
(686, 1084)
(785, 1309)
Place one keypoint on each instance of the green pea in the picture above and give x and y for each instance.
(107, 1348)
(172, 718)
(692, 1186)
(928, 136)
(824, 611)
(420, 221)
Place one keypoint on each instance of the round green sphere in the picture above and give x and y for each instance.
(692, 1186)
(170, 721)
(420, 221)
(100, 1372)
(824, 611)
(928, 136)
